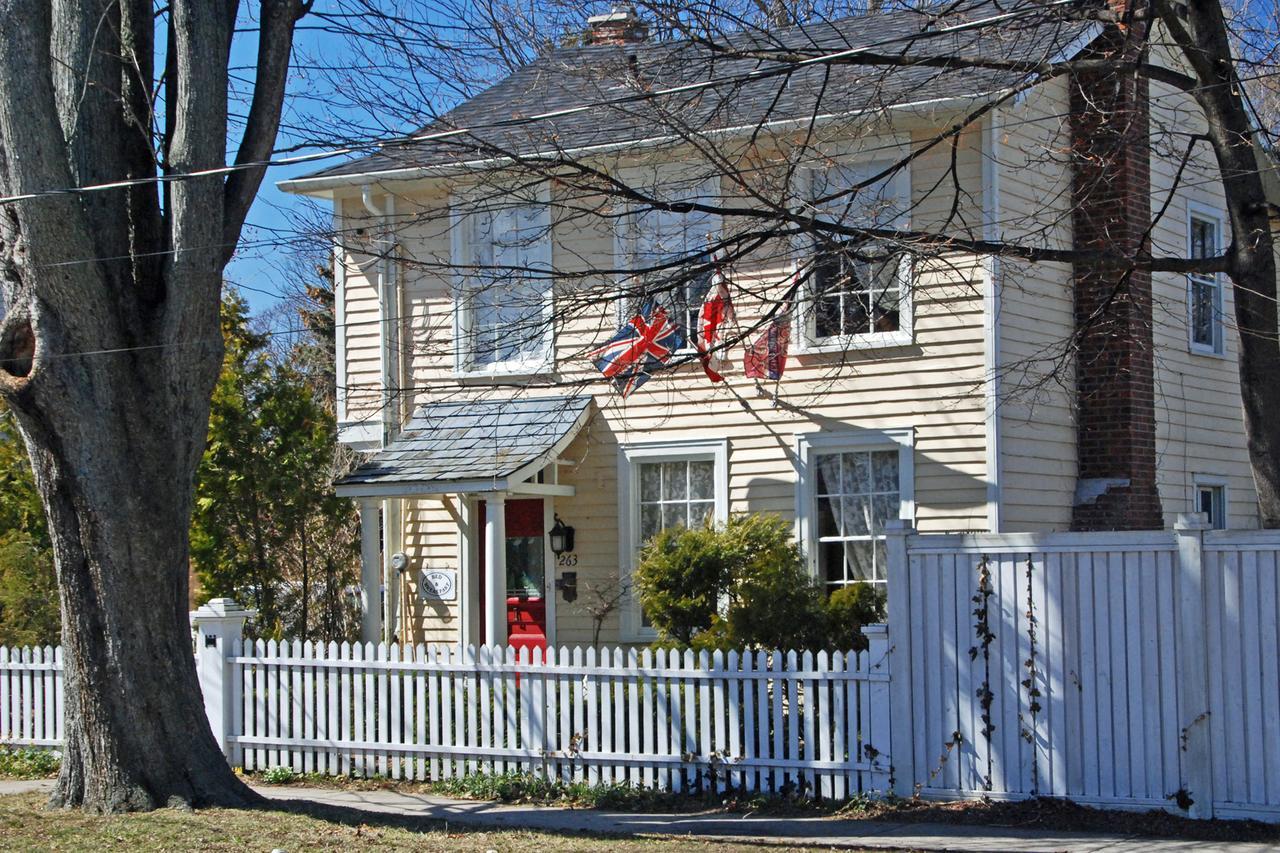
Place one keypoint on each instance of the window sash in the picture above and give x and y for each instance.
(672, 240)
(1204, 291)
(851, 297)
(503, 311)
(869, 494)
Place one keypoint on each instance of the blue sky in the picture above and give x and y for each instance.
(265, 264)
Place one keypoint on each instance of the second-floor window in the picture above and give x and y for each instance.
(1204, 290)
(664, 248)
(858, 291)
(503, 257)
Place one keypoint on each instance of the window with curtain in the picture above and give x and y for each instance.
(858, 290)
(856, 492)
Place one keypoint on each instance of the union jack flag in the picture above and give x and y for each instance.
(643, 344)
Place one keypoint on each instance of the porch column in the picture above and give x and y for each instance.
(370, 574)
(495, 571)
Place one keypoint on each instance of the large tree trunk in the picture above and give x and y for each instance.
(118, 491)
(109, 350)
(1205, 43)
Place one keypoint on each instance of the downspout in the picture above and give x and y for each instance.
(991, 316)
(390, 363)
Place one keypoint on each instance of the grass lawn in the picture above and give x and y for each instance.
(25, 824)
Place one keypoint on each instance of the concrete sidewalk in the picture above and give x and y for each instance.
(817, 831)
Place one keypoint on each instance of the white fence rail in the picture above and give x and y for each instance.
(1130, 669)
(755, 721)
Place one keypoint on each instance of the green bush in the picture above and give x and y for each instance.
(745, 585)
(850, 608)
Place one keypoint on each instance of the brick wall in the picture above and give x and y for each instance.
(1116, 433)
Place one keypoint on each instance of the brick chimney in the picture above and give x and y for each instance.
(1115, 380)
(620, 25)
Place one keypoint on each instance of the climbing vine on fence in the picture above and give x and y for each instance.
(1031, 682)
(985, 637)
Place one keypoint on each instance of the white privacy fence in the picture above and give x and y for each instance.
(1132, 669)
(755, 721)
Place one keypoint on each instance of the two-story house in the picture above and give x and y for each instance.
(928, 376)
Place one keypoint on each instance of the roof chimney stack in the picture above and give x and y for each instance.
(620, 25)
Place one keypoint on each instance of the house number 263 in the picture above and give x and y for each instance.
(567, 560)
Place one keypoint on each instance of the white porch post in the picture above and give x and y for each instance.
(495, 571)
(370, 574)
(392, 542)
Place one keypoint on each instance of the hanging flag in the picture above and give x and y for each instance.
(767, 357)
(717, 311)
(642, 345)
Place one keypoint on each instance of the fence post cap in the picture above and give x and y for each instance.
(898, 526)
(1192, 521)
(219, 609)
(878, 629)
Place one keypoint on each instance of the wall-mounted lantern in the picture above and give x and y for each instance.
(561, 536)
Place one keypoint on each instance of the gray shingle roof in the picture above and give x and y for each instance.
(470, 446)
(571, 77)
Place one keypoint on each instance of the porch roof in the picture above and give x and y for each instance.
(470, 446)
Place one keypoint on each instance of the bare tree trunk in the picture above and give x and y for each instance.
(137, 736)
(1205, 43)
(109, 350)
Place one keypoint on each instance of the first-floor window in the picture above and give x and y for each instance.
(1212, 501)
(667, 485)
(850, 489)
(675, 494)
(857, 493)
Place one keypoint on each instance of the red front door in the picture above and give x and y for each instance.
(526, 574)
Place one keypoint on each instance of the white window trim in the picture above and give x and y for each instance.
(804, 254)
(810, 444)
(463, 366)
(1217, 482)
(624, 235)
(1206, 213)
(715, 450)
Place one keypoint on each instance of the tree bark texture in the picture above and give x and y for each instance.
(109, 350)
(1204, 41)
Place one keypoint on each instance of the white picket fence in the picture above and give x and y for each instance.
(754, 721)
(1118, 669)
(31, 696)
(774, 722)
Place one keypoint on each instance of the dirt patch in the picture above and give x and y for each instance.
(1063, 816)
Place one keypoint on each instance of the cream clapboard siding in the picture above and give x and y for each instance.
(358, 292)
(1036, 397)
(933, 385)
(1199, 429)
